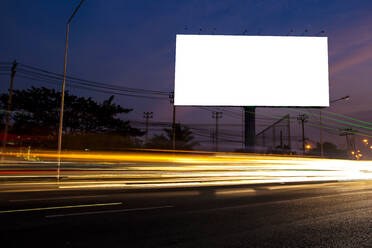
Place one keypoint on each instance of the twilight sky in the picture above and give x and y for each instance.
(132, 43)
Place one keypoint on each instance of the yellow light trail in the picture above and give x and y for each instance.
(157, 169)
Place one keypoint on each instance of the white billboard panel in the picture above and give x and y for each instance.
(222, 70)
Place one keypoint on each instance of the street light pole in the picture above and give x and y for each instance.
(63, 91)
(321, 135)
(171, 98)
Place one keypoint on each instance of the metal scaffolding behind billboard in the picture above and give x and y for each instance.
(276, 137)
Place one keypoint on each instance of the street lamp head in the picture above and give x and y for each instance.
(346, 98)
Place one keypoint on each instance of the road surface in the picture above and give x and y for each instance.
(337, 214)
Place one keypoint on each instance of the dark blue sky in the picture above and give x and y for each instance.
(132, 43)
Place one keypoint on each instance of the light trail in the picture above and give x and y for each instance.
(156, 169)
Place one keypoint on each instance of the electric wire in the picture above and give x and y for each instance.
(92, 89)
(95, 83)
(38, 74)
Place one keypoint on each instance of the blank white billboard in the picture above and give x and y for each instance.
(223, 70)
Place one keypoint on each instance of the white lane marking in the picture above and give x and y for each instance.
(281, 201)
(145, 194)
(61, 207)
(58, 198)
(108, 211)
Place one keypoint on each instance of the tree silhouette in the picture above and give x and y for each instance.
(184, 139)
(36, 112)
(330, 150)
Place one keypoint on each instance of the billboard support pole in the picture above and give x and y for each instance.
(249, 128)
(216, 115)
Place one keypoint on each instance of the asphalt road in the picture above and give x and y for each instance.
(271, 215)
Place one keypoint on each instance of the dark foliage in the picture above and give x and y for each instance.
(36, 111)
(330, 150)
(184, 139)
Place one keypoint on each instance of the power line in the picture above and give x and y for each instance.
(91, 89)
(213, 109)
(336, 120)
(347, 117)
(41, 76)
(95, 83)
(337, 129)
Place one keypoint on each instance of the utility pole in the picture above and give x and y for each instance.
(171, 99)
(350, 143)
(289, 133)
(147, 116)
(303, 118)
(213, 137)
(12, 75)
(217, 115)
(321, 135)
(60, 129)
(320, 116)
